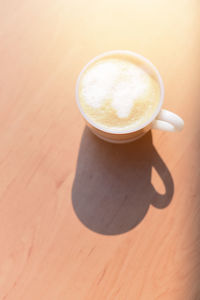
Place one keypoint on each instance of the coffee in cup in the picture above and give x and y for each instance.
(119, 93)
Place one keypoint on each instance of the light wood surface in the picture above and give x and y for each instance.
(81, 219)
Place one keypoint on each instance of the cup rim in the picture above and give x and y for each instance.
(135, 55)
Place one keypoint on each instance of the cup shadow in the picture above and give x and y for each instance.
(112, 189)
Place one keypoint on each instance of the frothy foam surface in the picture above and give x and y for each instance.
(118, 93)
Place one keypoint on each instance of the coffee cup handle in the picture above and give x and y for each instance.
(168, 121)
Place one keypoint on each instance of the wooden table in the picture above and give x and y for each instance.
(81, 219)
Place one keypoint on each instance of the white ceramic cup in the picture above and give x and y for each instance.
(161, 119)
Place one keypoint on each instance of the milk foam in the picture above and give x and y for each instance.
(115, 92)
(121, 81)
(98, 83)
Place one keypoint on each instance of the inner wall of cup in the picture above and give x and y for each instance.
(136, 59)
(133, 57)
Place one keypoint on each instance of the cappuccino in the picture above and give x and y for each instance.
(119, 93)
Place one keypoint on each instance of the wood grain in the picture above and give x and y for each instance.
(81, 219)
